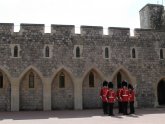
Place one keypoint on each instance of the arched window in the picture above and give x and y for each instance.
(133, 53)
(161, 53)
(1, 80)
(77, 52)
(91, 79)
(16, 51)
(106, 53)
(31, 80)
(47, 51)
(62, 80)
(119, 78)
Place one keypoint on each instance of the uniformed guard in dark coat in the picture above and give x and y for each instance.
(125, 97)
(120, 108)
(111, 95)
(131, 99)
(103, 95)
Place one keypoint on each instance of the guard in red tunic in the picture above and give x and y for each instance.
(111, 95)
(131, 99)
(125, 97)
(119, 98)
(103, 95)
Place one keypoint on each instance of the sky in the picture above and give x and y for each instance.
(106, 13)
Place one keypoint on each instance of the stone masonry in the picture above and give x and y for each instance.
(139, 59)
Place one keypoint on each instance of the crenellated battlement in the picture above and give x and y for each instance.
(91, 30)
(7, 28)
(118, 31)
(32, 28)
(62, 29)
(67, 30)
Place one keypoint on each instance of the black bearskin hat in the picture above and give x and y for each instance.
(124, 83)
(130, 86)
(110, 85)
(105, 83)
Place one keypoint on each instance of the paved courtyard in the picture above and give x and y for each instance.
(142, 116)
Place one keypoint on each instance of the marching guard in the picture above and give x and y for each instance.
(103, 95)
(125, 97)
(111, 95)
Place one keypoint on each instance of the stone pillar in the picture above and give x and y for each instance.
(46, 94)
(78, 94)
(14, 94)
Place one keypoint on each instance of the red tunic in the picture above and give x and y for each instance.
(103, 94)
(125, 95)
(111, 95)
(131, 95)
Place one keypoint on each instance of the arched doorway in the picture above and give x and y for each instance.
(62, 91)
(119, 76)
(90, 89)
(5, 92)
(31, 91)
(161, 92)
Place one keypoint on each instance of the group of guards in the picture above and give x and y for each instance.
(125, 95)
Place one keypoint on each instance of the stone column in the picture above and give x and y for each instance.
(15, 94)
(46, 94)
(78, 94)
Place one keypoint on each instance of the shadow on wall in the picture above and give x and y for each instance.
(73, 114)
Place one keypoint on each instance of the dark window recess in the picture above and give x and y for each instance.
(91, 79)
(133, 53)
(62, 81)
(16, 51)
(47, 52)
(106, 53)
(77, 52)
(161, 53)
(31, 80)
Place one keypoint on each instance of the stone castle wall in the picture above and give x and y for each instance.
(143, 72)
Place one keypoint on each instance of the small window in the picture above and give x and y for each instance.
(31, 80)
(91, 79)
(77, 52)
(106, 53)
(133, 53)
(47, 52)
(161, 53)
(62, 80)
(1, 80)
(16, 51)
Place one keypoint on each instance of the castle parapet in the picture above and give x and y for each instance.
(6, 28)
(118, 31)
(63, 29)
(32, 29)
(91, 30)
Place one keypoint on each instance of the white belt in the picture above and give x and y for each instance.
(124, 95)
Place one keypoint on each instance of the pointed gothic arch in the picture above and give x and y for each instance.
(90, 99)
(62, 97)
(31, 98)
(5, 95)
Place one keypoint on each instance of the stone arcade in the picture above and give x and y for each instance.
(64, 70)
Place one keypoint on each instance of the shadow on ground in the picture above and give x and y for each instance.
(25, 115)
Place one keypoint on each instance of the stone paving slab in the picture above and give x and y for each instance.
(142, 116)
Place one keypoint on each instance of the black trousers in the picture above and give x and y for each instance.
(120, 107)
(125, 106)
(105, 107)
(110, 108)
(131, 106)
